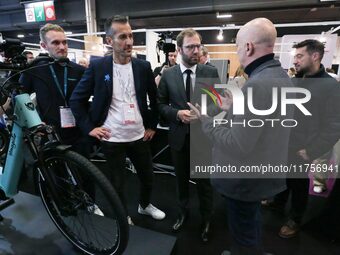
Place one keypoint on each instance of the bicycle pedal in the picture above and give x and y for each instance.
(5, 203)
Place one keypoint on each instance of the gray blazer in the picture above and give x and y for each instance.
(172, 98)
(242, 146)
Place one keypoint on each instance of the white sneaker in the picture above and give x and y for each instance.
(319, 189)
(95, 209)
(129, 220)
(152, 211)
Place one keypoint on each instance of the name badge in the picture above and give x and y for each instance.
(129, 111)
(67, 119)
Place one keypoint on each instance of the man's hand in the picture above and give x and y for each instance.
(195, 110)
(303, 154)
(149, 134)
(227, 101)
(163, 69)
(186, 116)
(100, 133)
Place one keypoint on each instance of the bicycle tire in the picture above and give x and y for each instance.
(80, 206)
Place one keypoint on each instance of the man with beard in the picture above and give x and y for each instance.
(119, 115)
(177, 85)
(314, 135)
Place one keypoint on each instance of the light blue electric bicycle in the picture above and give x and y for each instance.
(90, 215)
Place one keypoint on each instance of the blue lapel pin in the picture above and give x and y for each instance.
(107, 77)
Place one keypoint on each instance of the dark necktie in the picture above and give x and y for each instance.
(188, 87)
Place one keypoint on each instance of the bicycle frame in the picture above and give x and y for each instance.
(26, 116)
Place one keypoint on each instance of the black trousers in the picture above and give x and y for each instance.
(181, 160)
(244, 220)
(140, 155)
(298, 188)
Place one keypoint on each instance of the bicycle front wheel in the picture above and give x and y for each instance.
(88, 211)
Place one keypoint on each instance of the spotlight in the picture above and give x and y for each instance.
(223, 16)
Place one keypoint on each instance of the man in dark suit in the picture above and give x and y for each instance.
(180, 84)
(204, 57)
(243, 146)
(54, 84)
(119, 115)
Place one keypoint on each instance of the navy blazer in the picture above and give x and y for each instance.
(97, 81)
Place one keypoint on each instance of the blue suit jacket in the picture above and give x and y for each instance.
(97, 81)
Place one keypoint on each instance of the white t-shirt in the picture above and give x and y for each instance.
(123, 94)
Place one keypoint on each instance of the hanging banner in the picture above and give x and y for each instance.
(49, 12)
(40, 11)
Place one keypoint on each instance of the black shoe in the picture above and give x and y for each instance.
(180, 222)
(205, 231)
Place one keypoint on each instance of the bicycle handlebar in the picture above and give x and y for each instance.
(7, 90)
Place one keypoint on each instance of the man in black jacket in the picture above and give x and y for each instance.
(172, 58)
(315, 134)
(54, 84)
(243, 146)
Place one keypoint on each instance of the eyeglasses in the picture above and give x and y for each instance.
(191, 47)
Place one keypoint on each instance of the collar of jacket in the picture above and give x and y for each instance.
(257, 62)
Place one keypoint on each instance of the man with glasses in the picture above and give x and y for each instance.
(119, 115)
(181, 84)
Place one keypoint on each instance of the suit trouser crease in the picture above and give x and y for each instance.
(181, 160)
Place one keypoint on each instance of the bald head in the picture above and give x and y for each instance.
(260, 31)
(259, 35)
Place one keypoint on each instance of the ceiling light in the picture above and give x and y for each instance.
(68, 33)
(20, 36)
(220, 35)
(223, 16)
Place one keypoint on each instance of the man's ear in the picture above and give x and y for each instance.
(315, 56)
(249, 48)
(179, 50)
(43, 45)
(108, 40)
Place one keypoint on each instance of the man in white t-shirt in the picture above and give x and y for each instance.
(119, 115)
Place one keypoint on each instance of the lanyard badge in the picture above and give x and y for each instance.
(67, 119)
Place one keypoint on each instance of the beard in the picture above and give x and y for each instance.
(300, 71)
(191, 61)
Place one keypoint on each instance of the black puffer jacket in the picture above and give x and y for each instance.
(319, 132)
